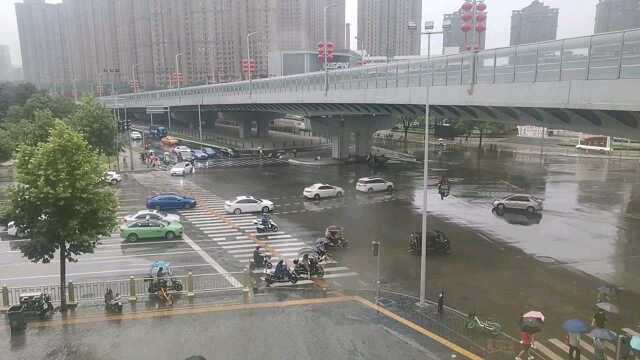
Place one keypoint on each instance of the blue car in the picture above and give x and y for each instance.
(199, 155)
(211, 153)
(170, 202)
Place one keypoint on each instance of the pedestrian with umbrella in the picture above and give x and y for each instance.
(601, 335)
(530, 323)
(574, 328)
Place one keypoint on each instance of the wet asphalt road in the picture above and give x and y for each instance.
(500, 266)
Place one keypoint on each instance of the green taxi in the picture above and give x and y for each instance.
(149, 229)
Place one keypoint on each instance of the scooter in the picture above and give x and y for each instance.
(111, 303)
(301, 271)
(261, 261)
(260, 228)
(270, 277)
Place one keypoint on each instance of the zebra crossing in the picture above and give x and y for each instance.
(557, 349)
(239, 162)
(236, 234)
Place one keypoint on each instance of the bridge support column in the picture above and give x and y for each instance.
(244, 125)
(341, 129)
(339, 148)
(262, 124)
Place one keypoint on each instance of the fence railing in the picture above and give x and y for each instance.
(607, 56)
(129, 288)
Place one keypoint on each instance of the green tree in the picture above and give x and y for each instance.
(12, 94)
(97, 125)
(59, 106)
(61, 198)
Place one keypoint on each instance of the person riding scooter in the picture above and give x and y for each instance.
(259, 258)
(281, 270)
(266, 220)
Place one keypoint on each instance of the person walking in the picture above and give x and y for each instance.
(598, 349)
(441, 303)
(124, 161)
(526, 340)
(574, 346)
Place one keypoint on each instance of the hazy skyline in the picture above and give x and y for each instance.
(576, 19)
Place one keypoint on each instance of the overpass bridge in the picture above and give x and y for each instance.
(589, 84)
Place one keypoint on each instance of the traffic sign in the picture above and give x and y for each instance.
(428, 25)
(157, 109)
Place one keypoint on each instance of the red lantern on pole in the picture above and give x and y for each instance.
(466, 27)
(481, 16)
(481, 27)
(467, 16)
(467, 6)
(481, 6)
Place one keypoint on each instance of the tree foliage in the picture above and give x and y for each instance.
(59, 106)
(61, 198)
(12, 94)
(96, 123)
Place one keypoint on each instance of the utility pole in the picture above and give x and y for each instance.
(425, 197)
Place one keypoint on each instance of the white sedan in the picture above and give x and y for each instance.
(152, 215)
(135, 135)
(182, 169)
(181, 148)
(247, 204)
(317, 191)
(371, 184)
(112, 177)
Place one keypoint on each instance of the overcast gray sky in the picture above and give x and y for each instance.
(576, 19)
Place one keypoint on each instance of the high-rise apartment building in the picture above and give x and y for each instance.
(41, 42)
(614, 15)
(534, 23)
(383, 27)
(454, 39)
(115, 41)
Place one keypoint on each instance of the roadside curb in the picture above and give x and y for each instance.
(315, 162)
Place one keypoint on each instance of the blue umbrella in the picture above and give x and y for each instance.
(576, 326)
(635, 343)
(604, 334)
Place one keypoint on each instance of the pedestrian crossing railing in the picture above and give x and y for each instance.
(133, 289)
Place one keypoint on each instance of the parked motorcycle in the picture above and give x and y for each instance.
(112, 303)
(315, 269)
(37, 303)
(261, 228)
(288, 276)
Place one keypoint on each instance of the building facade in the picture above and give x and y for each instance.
(383, 27)
(534, 23)
(615, 15)
(86, 43)
(454, 39)
(41, 42)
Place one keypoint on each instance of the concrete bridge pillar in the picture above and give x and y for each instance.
(263, 126)
(343, 129)
(244, 125)
(245, 121)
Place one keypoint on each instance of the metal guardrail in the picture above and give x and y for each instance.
(607, 56)
(132, 287)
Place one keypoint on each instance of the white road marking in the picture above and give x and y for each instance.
(279, 236)
(233, 242)
(547, 352)
(251, 246)
(212, 262)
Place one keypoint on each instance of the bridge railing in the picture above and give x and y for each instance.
(607, 56)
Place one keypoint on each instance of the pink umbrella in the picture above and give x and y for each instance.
(535, 315)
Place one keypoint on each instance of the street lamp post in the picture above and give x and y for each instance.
(178, 55)
(249, 68)
(325, 52)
